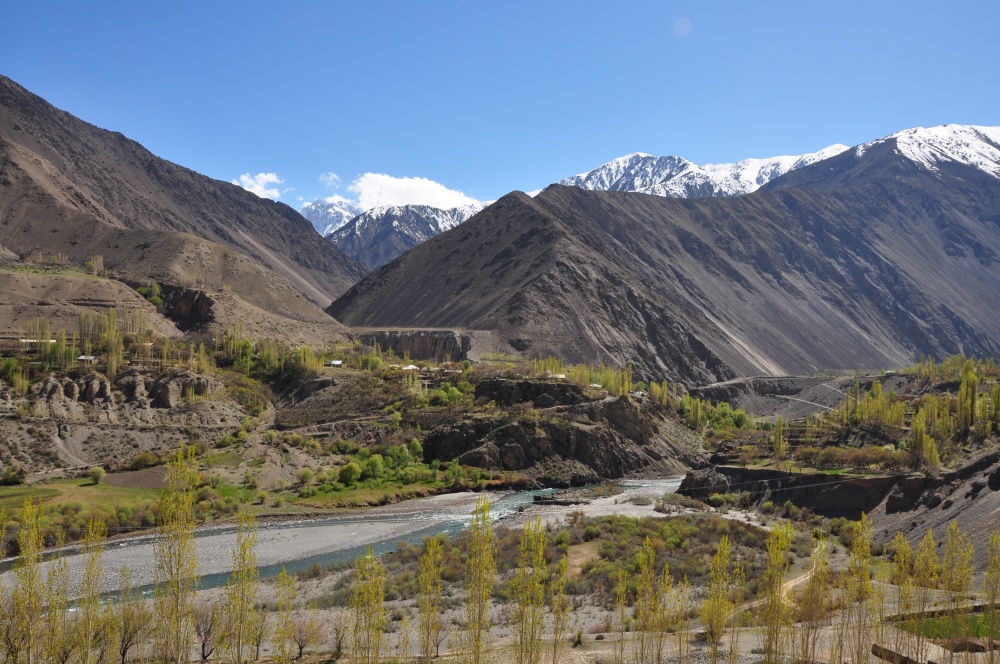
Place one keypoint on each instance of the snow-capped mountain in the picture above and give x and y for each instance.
(679, 178)
(971, 145)
(381, 234)
(327, 216)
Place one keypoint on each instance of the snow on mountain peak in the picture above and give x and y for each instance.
(330, 214)
(971, 145)
(679, 178)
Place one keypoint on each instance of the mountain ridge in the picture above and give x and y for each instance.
(67, 186)
(851, 262)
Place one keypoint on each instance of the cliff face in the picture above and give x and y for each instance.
(825, 494)
(437, 345)
(571, 445)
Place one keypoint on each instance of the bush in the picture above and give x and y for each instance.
(144, 460)
(96, 474)
(349, 473)
(304, 476)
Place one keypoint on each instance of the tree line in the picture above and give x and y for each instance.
(654, 612)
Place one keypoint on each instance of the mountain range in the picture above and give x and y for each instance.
(379, 235)
(855, 258)
(867, 259)
(679, 178)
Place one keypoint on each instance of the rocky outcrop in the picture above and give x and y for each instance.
(827, 495)
(189, 309)
(437, 345)
(574, 445)
(540, 394)
(170, 390)
(133, 386)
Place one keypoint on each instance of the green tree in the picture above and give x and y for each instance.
(859, 618)
(480, 576)
(176, 559)
(990, 592)
(91, 617)
(559, 607)
(529, 592)
(772, 611)
(778, 442)
(717, 606)
(97, 474)
(368, 609)
(281, 642)
(814, 605)
(926, 566)
(242, 588)
(429, 599)
(349, 473)
(29, 590)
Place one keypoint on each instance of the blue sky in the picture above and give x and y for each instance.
(483, 98)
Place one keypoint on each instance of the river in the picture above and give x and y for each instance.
(297, 545)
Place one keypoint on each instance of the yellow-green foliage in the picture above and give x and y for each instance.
(618, 382)
(368, 609)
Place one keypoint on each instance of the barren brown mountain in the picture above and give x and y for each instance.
(68, 188)
(855, 262)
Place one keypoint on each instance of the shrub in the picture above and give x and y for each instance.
(349, 473)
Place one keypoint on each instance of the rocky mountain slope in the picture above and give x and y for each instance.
(865, 260)
(70, 188)
(379, 235)
(679, 178)
(326, 216)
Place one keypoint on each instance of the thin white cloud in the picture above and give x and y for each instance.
(259, 184)
(337, 198)
(378, 189)
(330, 179)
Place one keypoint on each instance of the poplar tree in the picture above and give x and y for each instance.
(29, 590)
(773, 614)
(925, 576)
(529, 592)
(859, 616)
(621, 613)
(716, 607)
(281, 643)
(176, 559)
(429, 599)
(60, 635)
(814, 605)
(956, 572)
(91, 617)
(990, 591)
(680, 618)
(480, 575)
(368, 609)
(559, 607)
(646, 604)
(242, 587)
(778, 442)
(902, 580)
